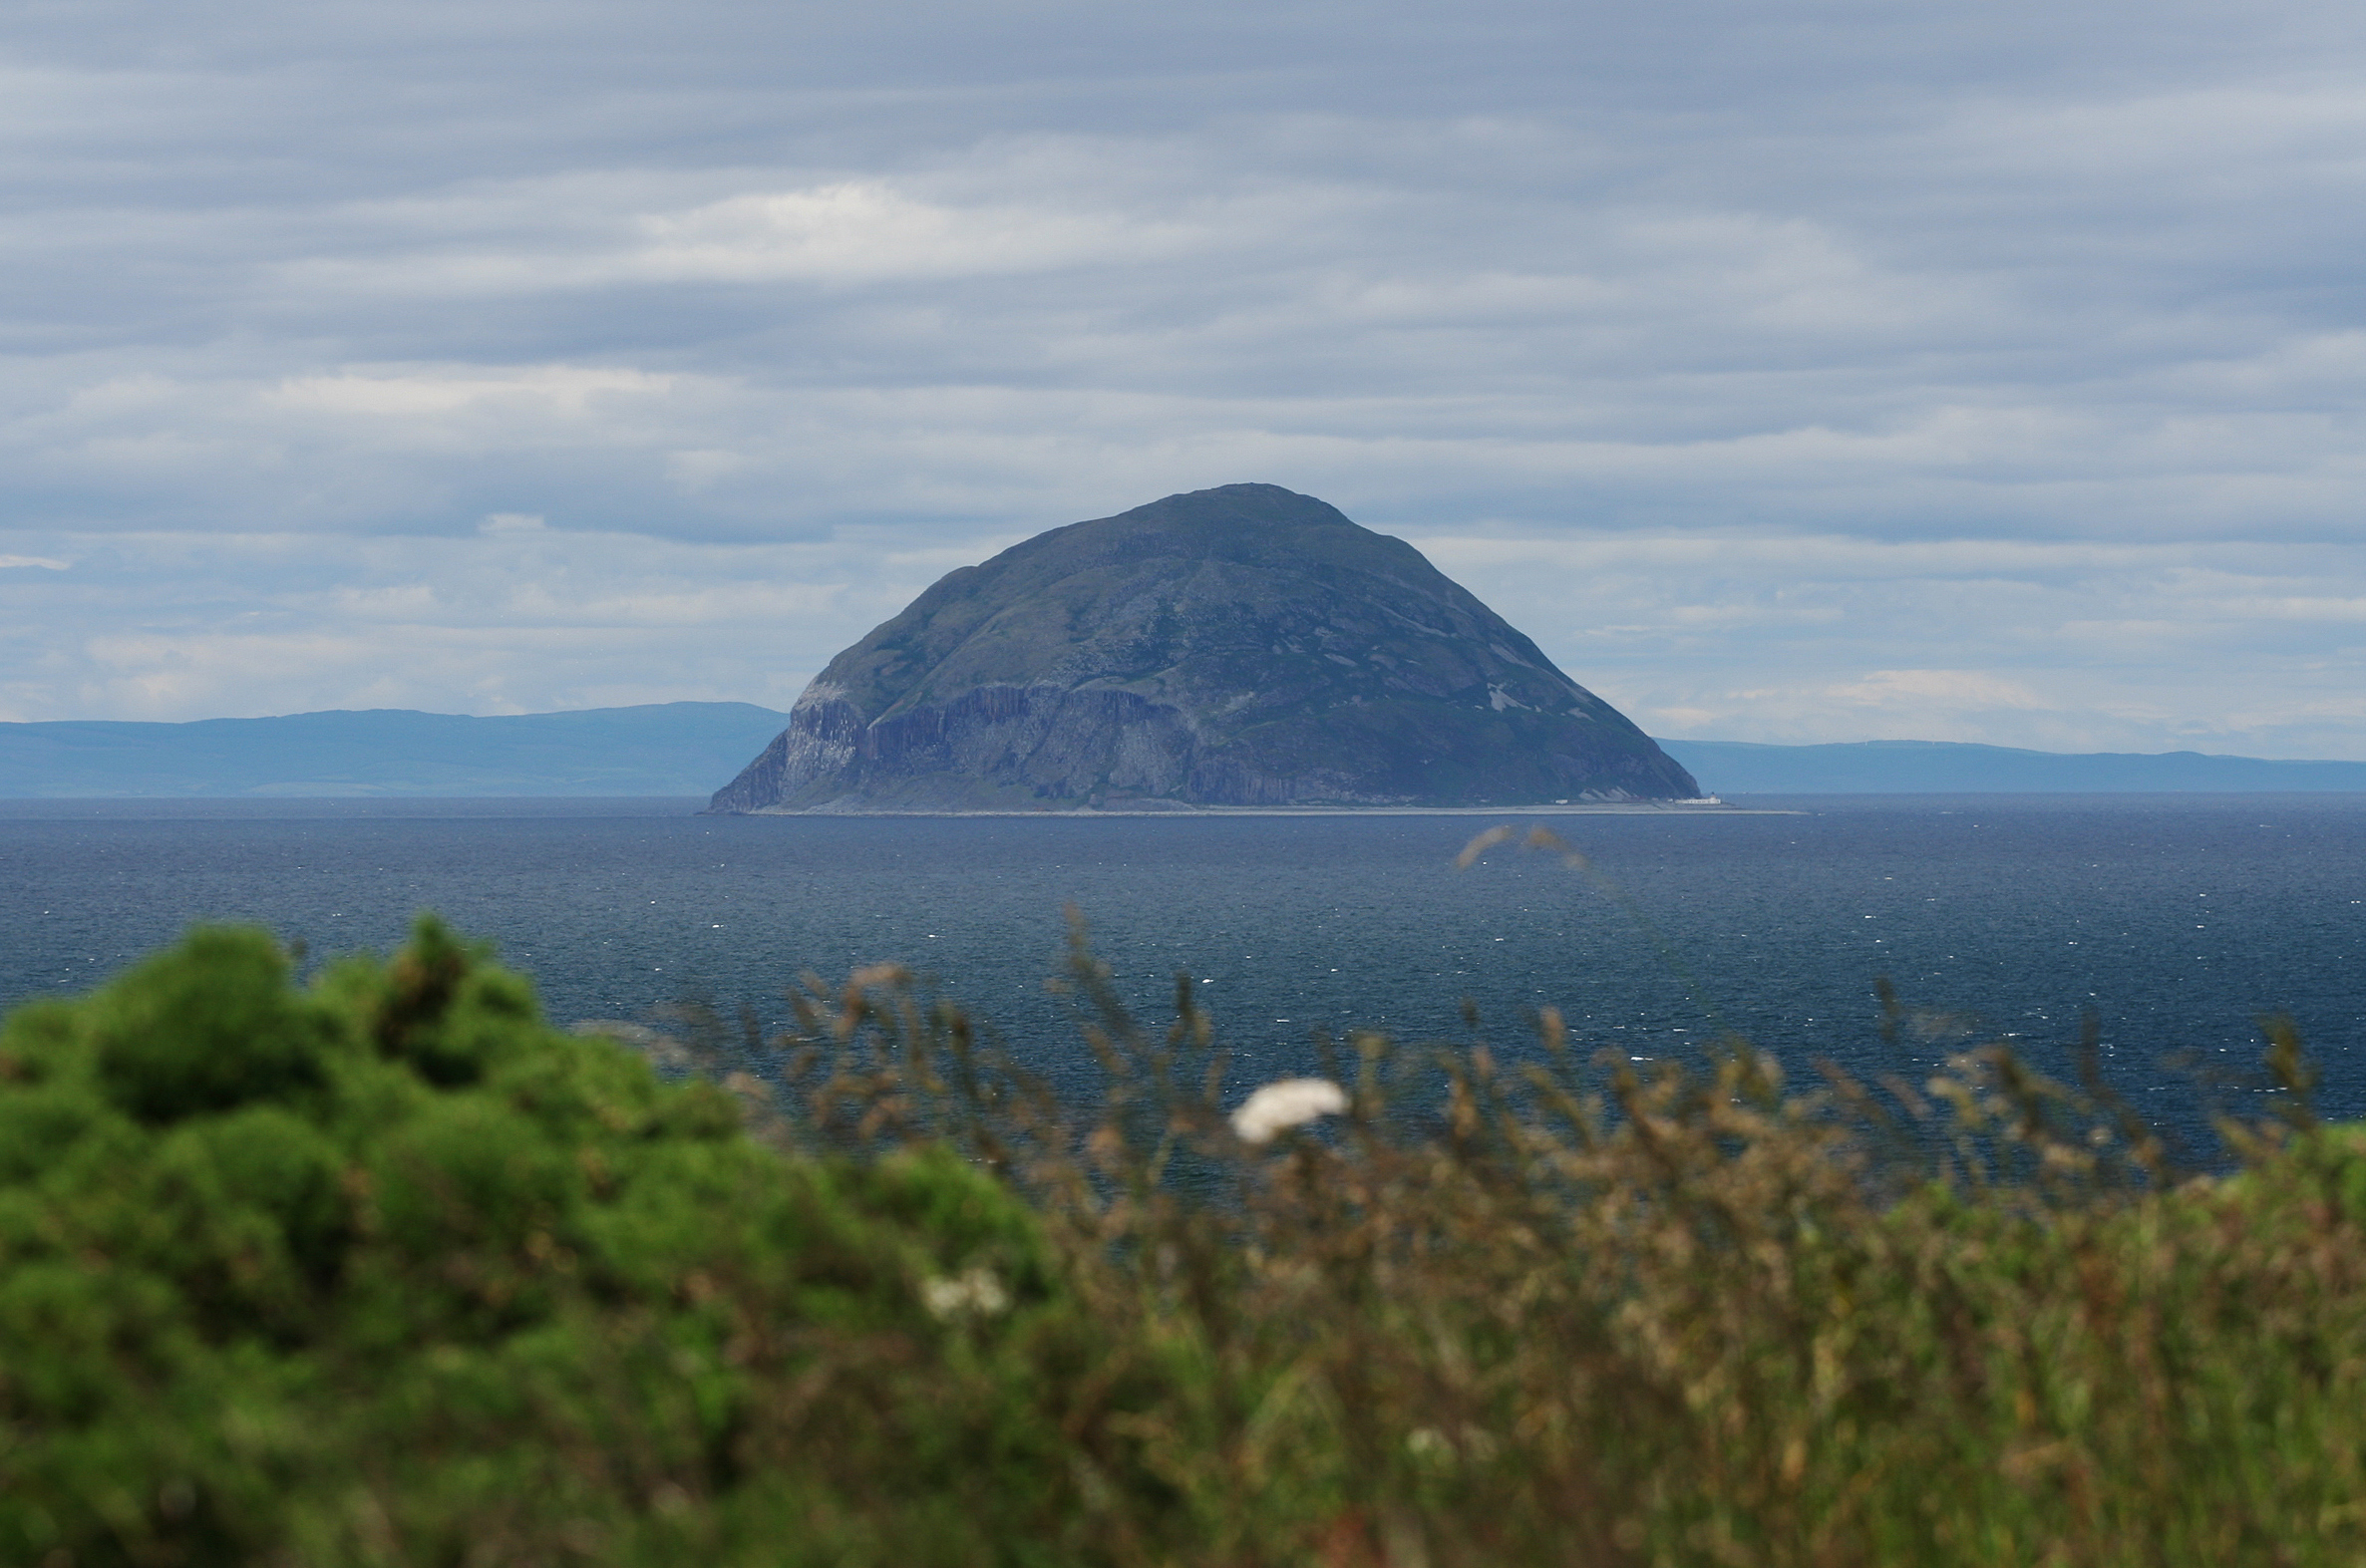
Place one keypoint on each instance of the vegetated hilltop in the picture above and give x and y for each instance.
(1238, 646)
(385, 1271)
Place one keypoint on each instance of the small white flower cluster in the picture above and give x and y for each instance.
(1427, 1442)
(971, 1293)
(1293, 1101)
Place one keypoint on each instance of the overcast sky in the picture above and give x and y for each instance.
(1792, 370)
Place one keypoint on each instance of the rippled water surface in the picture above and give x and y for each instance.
(2177, 919)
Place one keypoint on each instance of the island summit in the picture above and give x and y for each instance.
(1245, 646)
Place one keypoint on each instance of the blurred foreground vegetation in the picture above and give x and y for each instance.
(385, 1270)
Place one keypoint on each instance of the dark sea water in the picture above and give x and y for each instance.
(2177, 919)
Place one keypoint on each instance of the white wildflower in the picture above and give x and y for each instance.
(1427, 1442)
(1291, 1102)
(974, 1292)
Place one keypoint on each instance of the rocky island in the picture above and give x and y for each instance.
(1245, 646)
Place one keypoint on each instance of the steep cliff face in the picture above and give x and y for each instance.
(1240, 646)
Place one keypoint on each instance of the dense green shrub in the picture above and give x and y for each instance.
(384, 1271)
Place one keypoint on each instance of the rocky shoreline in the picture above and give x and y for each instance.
(1706, 807)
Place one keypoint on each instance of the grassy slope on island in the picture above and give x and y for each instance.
(383, 1270)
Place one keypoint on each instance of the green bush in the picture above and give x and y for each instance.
(386, 1269)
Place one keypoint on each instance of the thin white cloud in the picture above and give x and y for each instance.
(561, 388)
(862, 231)
(1913, 692)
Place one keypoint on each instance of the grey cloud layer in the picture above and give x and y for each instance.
(1697, 335)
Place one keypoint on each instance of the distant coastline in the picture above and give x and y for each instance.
(689, 749)
(1962, 768)
(1701, 807)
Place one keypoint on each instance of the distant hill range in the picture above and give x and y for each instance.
(660, 749)
(1729, 768)
(687, 748)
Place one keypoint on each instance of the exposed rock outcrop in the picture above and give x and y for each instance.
(1240, 646)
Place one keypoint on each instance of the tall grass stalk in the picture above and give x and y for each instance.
(1586, 1312)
